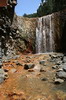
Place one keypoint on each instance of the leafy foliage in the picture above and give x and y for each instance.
(30, 15)
(50, 6)
(47, 7)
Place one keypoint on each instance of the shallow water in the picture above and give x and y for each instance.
(61, 87)
(34, 86)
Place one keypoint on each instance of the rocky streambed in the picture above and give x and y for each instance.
(34, 77)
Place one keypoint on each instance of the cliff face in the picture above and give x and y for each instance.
(6, 19)
(50, 30)
(50, 33)
(59, 31)
(27, 32)
(20, 33)
(24, 31)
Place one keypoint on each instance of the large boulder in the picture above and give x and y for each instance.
(61, 74)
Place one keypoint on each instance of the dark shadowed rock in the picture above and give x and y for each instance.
(28, 66)
(42, 69)
(44, 79)
(42, 62)
(59, 63)
(55, 67)
(64, 68)
(18, 63)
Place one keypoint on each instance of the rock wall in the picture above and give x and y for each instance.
(50, 33)
(21, 32)
(25, 33)
(6, 19)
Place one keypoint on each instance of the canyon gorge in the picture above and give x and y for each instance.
(32, 55)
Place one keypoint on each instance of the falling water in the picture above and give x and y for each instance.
(44, 34)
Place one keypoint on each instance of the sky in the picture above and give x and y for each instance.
(27, 6)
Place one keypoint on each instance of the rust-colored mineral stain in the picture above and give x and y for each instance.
(3, 3)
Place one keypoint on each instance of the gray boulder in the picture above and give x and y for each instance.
(64, 59)
(61, 74)
(3, 75)
(64, 68)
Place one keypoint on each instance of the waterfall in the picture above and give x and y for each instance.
(45, 34)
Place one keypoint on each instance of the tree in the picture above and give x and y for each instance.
(50, 6)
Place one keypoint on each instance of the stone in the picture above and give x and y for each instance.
(31, 70)
(18, 63)
(53, 56)
(27, 61)
(58, 81)
(13, 70)
(60, 69)
(6, 70)
(17, 56)
(57, 59)
(54, 67)
(64, 68)
(28, 66)
(64, 59)
(37, 67)
(3, 75)
(1, 22)
(1, 80)
(42, 62)
(61, 74)
(42, 69)
(59, 63)
(44, 79)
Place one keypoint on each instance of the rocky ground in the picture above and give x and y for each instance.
(34, 77)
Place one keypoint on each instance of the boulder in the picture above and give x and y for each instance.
(59, 63)
(18, 63)
(58, 81)
(61, 74)
(60, 69)
(42, 69)
(64, 59)
(29, 66)
(44, 79)
(55, 67)
(64, 68)
(42, 62)
(3, 75)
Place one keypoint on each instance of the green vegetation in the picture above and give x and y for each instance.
(47, 7)
(50, 6)
(30, 15)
